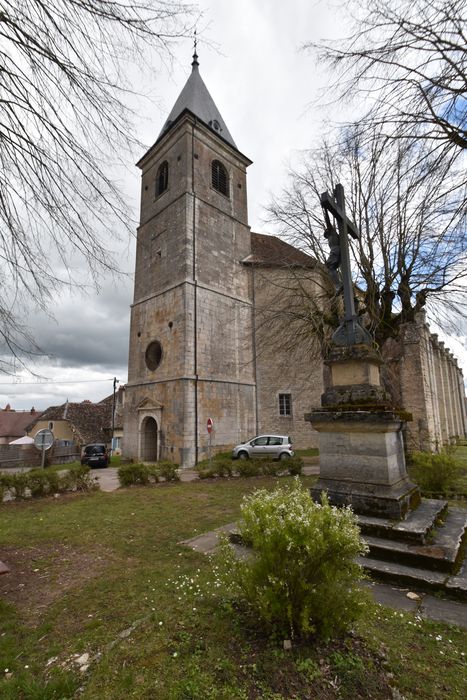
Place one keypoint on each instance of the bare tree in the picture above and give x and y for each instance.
(411, 212)
(408, 59)
(65, 71)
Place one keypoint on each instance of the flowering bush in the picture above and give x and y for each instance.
(302, 577)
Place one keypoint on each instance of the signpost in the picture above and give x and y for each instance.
(43, 440)
(209, 427)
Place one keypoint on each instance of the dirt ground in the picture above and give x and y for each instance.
(39, 575)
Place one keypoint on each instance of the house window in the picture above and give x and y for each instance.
(285, 404)
(51, 425)
(116, 443)
(220, 177)
(162, 178)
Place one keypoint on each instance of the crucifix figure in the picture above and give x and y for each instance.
(350, 331)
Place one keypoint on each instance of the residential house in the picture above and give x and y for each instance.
(76, 423)
(13, 423)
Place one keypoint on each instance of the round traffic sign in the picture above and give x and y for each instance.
(209, 425)
(44, 439)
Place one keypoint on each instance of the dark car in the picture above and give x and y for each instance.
(95, 455)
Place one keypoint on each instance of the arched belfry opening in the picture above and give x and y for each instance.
(149, 440)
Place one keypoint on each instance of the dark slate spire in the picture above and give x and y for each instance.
(196, 98)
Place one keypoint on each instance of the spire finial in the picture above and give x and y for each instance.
(195, 55)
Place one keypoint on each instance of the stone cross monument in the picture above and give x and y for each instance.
(362, 460)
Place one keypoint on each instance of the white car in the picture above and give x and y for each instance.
(278, 446)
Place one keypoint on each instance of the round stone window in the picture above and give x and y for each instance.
(153, 355)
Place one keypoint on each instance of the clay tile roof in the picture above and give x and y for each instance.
(90, 421)
(270, 250)
(13, 424)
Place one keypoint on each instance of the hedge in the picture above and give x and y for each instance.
(42, 482)
(142, 474)
(227, 467)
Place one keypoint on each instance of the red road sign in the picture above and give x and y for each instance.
(209, 425)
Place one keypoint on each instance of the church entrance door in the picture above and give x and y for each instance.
(149, 432)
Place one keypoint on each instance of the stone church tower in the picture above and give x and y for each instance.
(191, 341)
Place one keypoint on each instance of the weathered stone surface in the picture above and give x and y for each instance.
(414, 528)
(393, 501)
(362, 462)
(440, 553)
(357, 395)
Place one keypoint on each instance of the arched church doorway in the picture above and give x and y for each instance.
(149, 431)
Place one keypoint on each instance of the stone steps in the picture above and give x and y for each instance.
(415, 528)
(439, 564)
(439, 554)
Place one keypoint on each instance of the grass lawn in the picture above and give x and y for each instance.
(103, 574)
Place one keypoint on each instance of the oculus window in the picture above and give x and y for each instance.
(220, 177)
(162, 178)
(285, 404)
(153, 355)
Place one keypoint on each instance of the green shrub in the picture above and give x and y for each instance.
(80, 478)
(434, 472)
(220, 465)
(223, 466)
(207, 472)
(248, 467)
(56, 483)
(6, 484)
(271, 467)
(37, 482)
(131, 474)
(294, 465)
(41, 482)
(168, 470)
(153, 472)
(302, 578)
(19, 482)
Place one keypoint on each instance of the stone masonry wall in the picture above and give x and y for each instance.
(424, 379)
(193, 296)
(285, 363)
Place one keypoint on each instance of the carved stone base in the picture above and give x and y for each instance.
(362, 462)
(393, 502)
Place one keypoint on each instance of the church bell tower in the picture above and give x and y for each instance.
(191, 347)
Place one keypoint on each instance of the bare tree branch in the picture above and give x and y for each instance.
(408, 59)
(65, 72)
(411, 211)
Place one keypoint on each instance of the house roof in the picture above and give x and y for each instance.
(195, 98)
(13, 423)
(89, 421)
(272, 251)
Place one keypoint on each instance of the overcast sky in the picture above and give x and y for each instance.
(263, 84)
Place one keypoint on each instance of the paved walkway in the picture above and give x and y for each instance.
(107, 478)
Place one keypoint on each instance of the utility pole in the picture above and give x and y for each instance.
(113, 412)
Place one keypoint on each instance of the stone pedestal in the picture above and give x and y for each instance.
(362, 461)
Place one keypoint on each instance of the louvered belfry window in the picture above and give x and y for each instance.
(220, 177)
(162, 178)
